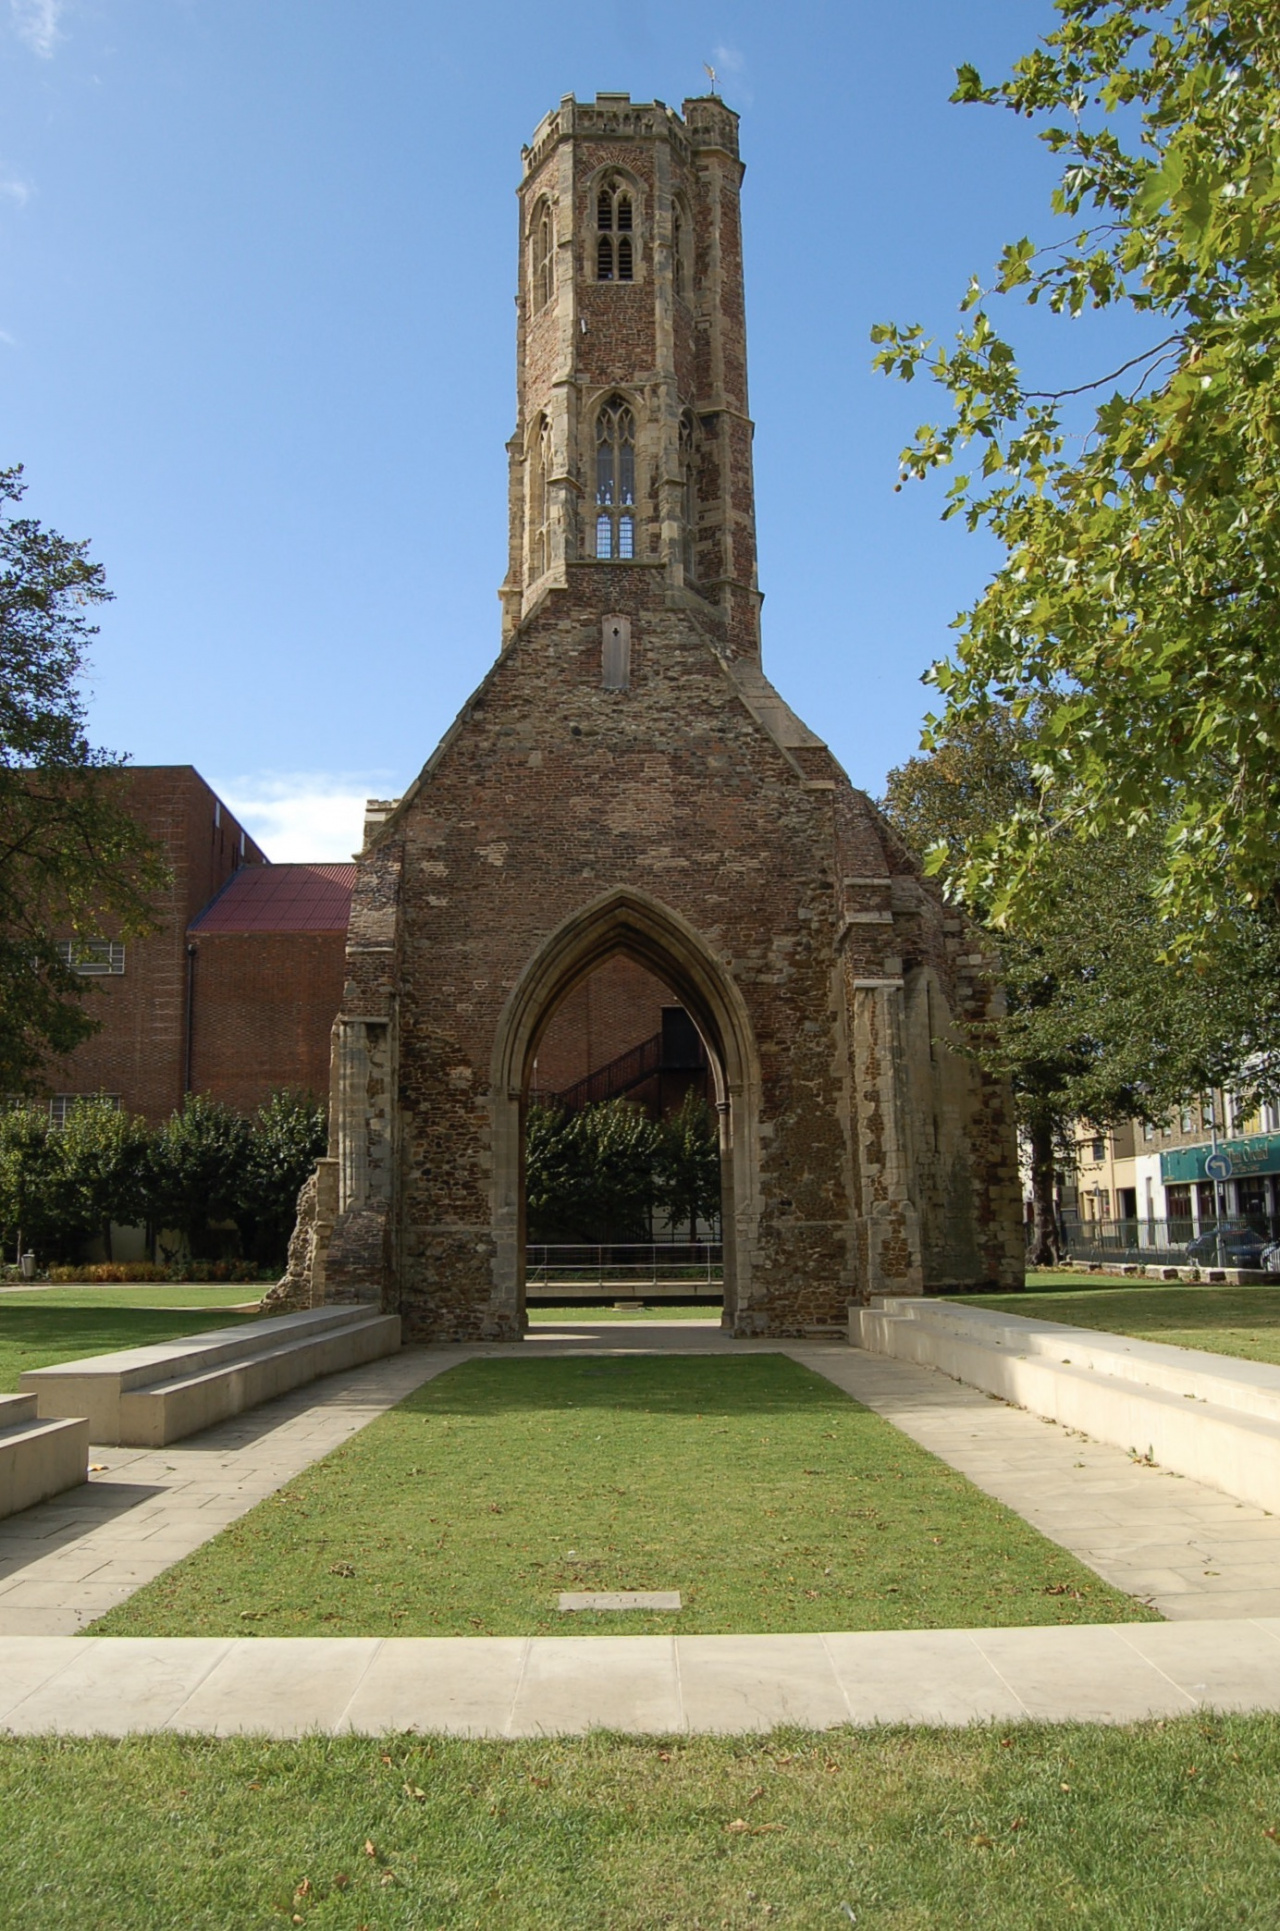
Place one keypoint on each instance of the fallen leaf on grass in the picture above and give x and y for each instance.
(412, 1790)
(740, 1825)
(341, 1569)
(340, 1880)
(1272, 1833)
(304, 1889)
(982, 1842)
(370, 1848)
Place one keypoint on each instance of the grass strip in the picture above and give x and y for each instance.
(1167, 1827)
(768, 1497)
(63, 1324)
(650, 1311)
(1243, 1321)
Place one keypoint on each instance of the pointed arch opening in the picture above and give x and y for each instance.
(631, 926)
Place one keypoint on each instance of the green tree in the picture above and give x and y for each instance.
(199, 1162)
(101, 1166)
(288, 1134)
(1142, 566)
(28, 1204)
(590, 1175)
(70, 854)
(687, 1165)
(1100, 1023)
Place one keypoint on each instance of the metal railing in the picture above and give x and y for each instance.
(697, 1267)
(1236, 1240)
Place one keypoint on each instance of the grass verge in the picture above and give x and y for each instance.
(1243, 1321)
(1167, 1827)
(765, 1495)
(63, 1323)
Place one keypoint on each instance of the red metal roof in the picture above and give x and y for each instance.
(281, 898)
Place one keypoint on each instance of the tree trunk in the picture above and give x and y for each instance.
(1045, 1251)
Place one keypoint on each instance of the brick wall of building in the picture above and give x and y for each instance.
(139, 1053)
(613, 1010)
(263, 1007)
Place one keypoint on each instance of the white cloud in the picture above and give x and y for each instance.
(19, 192)
(36, 24)
(729, 60)
(302, 815)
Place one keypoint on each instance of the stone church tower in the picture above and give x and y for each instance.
(626, 780)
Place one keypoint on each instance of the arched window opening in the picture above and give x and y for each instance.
(539, 471)
(615, 480)
(615, 223)
(688, 498)
(544, 257)
(681, 233)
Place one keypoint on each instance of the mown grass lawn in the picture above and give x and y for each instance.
(1165, 1827)
(62, 1323)
(651, 1311)
(760, 1491)
(1243, 1321)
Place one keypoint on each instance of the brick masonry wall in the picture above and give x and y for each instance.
(263, 1009)
(613, 1010)
(140, 1051)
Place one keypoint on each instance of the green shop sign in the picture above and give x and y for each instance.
(1260, 1153)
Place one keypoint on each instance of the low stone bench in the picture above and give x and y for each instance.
(1213, 1417)
(38, 1458)
(145, 1397)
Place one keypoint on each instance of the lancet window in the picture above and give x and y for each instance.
(615, 231)
(615, 480)
(539, 495)
(688, 499)
(681, 241)
(543, 243)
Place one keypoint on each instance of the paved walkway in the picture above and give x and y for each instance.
(496, 1686)
(1191, 1551)
(66, 1562)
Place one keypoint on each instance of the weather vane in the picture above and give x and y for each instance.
(710, 73)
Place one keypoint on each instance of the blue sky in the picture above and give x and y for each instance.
(256, 342)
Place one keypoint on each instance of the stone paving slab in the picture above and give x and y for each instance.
(645, 1685)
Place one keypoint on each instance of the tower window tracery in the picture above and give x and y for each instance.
(615, 231)
(615, 480)
(543, 237)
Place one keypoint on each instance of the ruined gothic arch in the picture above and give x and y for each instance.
(630, 922)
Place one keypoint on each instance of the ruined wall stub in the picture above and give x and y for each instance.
(627, 780)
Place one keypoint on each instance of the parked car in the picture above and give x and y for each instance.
(1231, 1243)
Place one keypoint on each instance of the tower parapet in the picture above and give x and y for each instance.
(632, 446)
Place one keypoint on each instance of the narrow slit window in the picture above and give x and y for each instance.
(543, 257)
(625, 271)
(604, 259)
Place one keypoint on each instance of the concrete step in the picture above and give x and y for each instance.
(145, 1397)
(1203, 1415)
(38, 1458)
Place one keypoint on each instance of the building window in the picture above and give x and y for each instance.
(615, 232)
(1099, 1152)
(615, 480)
(681, 238)
(543, 240)
(1148, 1130)
(539, 471)
(1186, 1122)
(688, 498)
(92, 958)
(62, 1103)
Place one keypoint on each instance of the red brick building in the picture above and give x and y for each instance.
(235, 991)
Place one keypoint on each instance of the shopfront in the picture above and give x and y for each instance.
(1245, 1184)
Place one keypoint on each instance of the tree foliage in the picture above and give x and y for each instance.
(1134, 621)
(1100, 1024)
(71, 857)
(599, 1174)
(100, 1172)
(289, 1133)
